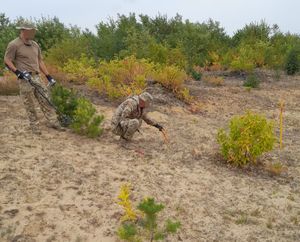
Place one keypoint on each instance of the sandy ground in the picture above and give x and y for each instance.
(63, 187)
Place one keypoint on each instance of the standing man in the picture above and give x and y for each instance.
(130, 114)
(23, 57)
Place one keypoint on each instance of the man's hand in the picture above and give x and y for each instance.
(24, 75)
(159, 127)
(51, 81)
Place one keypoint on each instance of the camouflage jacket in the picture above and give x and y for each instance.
(130, 109)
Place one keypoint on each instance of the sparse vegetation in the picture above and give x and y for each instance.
(214, 80)
(252, 81)
(9, 85)
(143, 226)
(276, 168)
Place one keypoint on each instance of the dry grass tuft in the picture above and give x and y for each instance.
(214, 81)
(9, 85)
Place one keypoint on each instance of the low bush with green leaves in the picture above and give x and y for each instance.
(196, 75)
(252, 81)
(143, 225)
(85, 120)
(76, 112)
(66, 101)
(248, 137)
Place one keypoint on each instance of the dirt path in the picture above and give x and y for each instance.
(63, 187)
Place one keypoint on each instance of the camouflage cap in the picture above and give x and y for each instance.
(146, 97)
(27, 26)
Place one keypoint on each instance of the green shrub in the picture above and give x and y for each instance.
(85, 120)
(292, 65)
(128, 232)
(68, 48)
(66, 102)
(249, 136)
(252, 81)
(196, 75)
(143, 226)
(76, 112)
(243, 60)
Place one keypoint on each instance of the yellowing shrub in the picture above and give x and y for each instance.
(249, 136)
(171, 77)
(80, 70)
(214, 80)
(120, 78)
(9, 84)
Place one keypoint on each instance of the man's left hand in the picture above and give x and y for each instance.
(51, 81)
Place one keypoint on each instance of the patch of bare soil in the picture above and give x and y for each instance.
(62, 187)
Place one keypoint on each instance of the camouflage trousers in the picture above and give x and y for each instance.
(126, 129)
(28, 93)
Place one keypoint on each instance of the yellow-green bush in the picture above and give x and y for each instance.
(69, 48)
(250, 56)
(173, 78)
(177, 58)
(80, 70)
(243, 60)
(120, 78)
(249, 136)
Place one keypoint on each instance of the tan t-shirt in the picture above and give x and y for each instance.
(24, 57)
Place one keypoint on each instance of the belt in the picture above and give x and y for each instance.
(34, 73)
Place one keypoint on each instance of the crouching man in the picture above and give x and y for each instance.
(130, 114)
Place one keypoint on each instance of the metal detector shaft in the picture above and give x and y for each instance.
(36, 86)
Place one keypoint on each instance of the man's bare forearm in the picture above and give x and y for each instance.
(43, 68)
(10, 65)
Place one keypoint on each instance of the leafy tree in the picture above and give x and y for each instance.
(50, 32)
(8, 32)
(292, 65)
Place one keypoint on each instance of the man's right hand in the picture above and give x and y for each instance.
(159, 127)
(24, 75)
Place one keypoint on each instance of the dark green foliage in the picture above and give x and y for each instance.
(85, 121)
(292, 65)
(68, 48)
(252, 33)
(150, 209)
(76, 112)
(66, 102)
(163, 40)
(8, 32)
(147, 226)
(196, 75)
(127, 231)
(252, 81)
(50, 32)
(172, 227)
